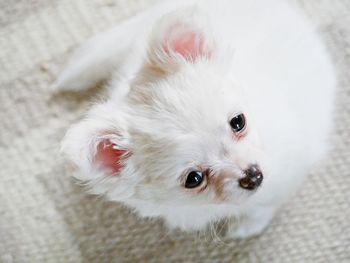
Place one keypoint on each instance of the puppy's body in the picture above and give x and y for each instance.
(176, 80)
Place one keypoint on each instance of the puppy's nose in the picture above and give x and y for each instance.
(252, 179)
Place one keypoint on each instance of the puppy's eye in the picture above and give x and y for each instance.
(238, 123)
(194, 179)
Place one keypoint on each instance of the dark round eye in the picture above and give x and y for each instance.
(194, 179)
(238, 123)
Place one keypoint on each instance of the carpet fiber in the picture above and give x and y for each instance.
(46, 217)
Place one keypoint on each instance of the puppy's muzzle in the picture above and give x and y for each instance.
(252, 179)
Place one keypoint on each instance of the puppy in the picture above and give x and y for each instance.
(216, 109)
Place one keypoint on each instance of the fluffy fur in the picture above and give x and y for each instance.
(178, 73)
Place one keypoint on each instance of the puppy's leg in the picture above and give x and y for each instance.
(251, 223)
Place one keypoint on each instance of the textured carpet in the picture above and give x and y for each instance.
(46, 217)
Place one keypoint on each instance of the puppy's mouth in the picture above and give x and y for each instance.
(236, 186)
(252, 179)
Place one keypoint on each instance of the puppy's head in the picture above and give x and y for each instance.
(182, 136)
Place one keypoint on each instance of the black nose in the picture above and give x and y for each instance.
(252, 179)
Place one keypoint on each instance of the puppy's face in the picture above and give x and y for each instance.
(193, 137)
(183, 135)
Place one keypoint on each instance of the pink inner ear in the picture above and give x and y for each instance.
(109, 158)
(186, 42)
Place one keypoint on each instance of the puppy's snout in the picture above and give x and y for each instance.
(252, 179)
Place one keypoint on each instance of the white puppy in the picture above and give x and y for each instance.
(217, 109)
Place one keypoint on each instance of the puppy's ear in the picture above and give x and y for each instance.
(180, 37)
(108, 156)
(99, 147)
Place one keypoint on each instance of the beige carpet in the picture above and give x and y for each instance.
(45, 217)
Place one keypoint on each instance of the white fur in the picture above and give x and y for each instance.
(266, 61)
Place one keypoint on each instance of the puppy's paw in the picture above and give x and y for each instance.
(246, 229)
(250, 225)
